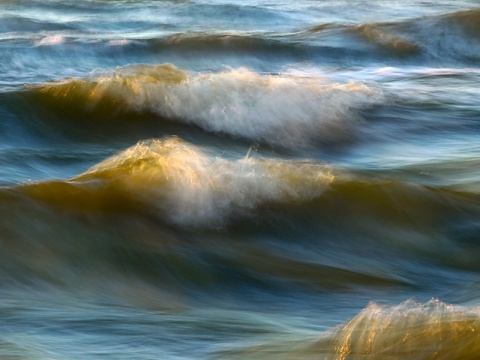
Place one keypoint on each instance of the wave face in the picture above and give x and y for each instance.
(197, 179)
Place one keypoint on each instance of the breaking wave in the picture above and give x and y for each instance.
(186, 184)
(276, 109)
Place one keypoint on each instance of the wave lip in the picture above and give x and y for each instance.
(277, 109)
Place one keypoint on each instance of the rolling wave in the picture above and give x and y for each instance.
(386, 41)
(468, 20)
(187, 185)
(25, 24)
(166, 209)
(184, 185)
(280, 110)
(443, 38)
(410, 330)
(453, 36)
(256, 44)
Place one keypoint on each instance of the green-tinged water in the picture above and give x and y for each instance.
(239, 180)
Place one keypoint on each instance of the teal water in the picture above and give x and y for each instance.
(239, 179)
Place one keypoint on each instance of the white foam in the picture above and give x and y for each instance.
(286, 110)
(119, 42)
(50, 40)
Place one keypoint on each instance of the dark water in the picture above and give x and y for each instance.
(239, 179)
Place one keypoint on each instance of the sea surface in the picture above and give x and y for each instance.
(239, 179)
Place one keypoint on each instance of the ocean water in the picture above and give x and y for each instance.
(239, 179)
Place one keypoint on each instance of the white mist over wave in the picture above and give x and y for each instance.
(277, 109)
(193, 187)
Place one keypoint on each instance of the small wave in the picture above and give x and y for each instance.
(468, 20)
(432, 330)
(211, 42)
(453, 36)
(19, 24)
(410, 330)
(387, 41)
(322, 27)
(450, 36)
(282, 110)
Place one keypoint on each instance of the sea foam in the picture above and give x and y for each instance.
(50, 40)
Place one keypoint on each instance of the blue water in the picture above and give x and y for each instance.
(239, 179)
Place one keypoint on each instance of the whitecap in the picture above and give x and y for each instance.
(50, 40)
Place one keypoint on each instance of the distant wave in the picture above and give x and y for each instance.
(188, 42)
(255, 44)
(378, 35)
(447, 37)
(468, 20)
(23, 24)
(389, 42)
(450, 36)
(455, 35)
